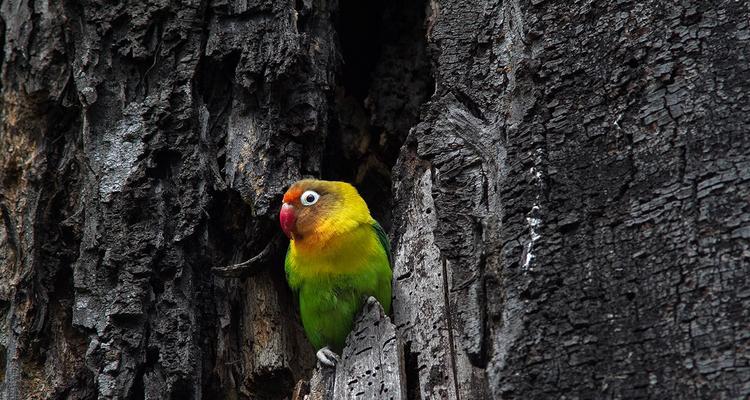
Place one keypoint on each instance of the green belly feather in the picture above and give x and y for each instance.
(332, 288)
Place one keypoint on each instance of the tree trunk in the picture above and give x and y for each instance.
(566, 187)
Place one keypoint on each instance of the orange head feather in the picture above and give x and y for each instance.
(315, 212)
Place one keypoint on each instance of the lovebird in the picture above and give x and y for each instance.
(338, 258)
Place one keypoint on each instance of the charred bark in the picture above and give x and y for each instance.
(577, 187)
(566, 187)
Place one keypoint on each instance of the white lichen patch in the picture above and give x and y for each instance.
(535, 224)
(536, 173)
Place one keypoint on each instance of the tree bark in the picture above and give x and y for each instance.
(566, 188)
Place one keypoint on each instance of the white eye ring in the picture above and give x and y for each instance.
(309, 198)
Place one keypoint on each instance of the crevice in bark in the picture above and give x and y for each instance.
(384, 79)
(3, 349)
(216, 90)
(450, 326)
(273, 385)
(412, 372)
(46, 339)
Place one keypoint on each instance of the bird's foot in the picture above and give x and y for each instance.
(327, 357)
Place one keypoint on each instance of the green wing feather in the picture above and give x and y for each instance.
(383, 238)
(385, 275)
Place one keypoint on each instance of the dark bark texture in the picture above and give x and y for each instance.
(566, 186)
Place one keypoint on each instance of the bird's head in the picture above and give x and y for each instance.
(315, 211)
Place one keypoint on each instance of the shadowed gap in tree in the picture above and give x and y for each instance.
(384, 79)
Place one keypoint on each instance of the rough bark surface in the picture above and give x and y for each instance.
(566, 186)
(147, 143)
(371, 365)
(580, 183)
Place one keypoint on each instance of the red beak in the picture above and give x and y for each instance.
(287, 218)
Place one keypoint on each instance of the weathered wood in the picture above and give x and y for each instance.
(320, 386)
(371, 365)
(420, 302)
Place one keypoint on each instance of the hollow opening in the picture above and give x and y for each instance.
(385, 78)
(359, 29)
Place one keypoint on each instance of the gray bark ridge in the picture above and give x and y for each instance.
(371, 365)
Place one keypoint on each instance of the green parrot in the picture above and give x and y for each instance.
(338, 257)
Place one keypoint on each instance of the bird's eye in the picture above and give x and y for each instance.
(309, 198)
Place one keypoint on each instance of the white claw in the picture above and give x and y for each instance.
(327, 357)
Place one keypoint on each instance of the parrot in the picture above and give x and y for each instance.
(338, 258)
